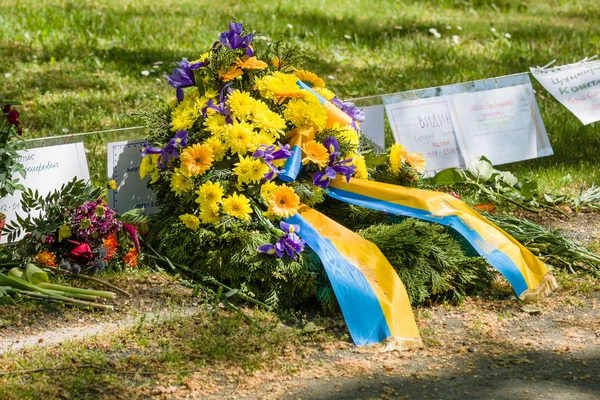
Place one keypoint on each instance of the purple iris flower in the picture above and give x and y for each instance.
(222, 108)
(183, 77)
(233, 39)
(357, 114)
(344, 167)
(179, 141)
(270, 154)
(290, 243)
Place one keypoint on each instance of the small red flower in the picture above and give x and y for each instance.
(13, 117)
(81, 253)
(6, 108)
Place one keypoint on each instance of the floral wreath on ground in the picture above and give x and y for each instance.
(238, 119)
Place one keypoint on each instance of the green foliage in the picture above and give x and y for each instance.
(10, 143)
(230, 256)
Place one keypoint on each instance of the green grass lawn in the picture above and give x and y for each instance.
(79, 65)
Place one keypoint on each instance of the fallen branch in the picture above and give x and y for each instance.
(91, 278)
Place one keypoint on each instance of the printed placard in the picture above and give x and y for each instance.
(123, 163)
(576, 86)
(500, 124)
(48, 168)
(425, 126)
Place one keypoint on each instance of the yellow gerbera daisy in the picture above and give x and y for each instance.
(284, 202)
(196, 160)
(237, 205)
(232, 73)
(316, 153)
(179, 183)
(191, 221)
(251, 63)
(210, 195)
(310, 78)
(416, 161)
(397, 154)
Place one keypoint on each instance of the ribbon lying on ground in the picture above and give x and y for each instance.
(373, 300)
(528, 276)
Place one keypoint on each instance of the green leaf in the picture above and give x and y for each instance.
(450, 177)
(231, 293)
(482, 169)
(508, 178)
(529, 189)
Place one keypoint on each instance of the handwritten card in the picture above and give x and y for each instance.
(123, 163)
(48, 168)
(576, 86)
(499, 124)
(425, 126)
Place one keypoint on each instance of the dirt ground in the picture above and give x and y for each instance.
(490, 347)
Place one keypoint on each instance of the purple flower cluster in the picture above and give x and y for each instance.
(94, 220)
(233, 39)
(290, 243)
(183, 76)
(270, 154)
(221, 108)
(357, 114)
(335, 166)
(179, 141)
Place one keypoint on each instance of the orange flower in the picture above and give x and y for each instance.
(251, 63)
(231, 74)
(131, 258)
(276, 62)
(45, 258)
(111, 246)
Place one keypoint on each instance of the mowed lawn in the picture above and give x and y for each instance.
(86, 65)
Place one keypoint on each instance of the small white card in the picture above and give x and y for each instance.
(576, 86)
(425, 126)
(123, 164)
(499, 124)
(48, 168)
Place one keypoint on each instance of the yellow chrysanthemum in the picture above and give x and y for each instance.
(279, 86)
(237, 205)
(250, 170)
(326, 93)
(196, 160)
(64, 232)
(210, 215)
(202, 58)
(284, 202)
(215, 124)
(301, 113)
(188, 111)
(361, 166)
(210, 195)
(316, 153)
(251, 63)
(112, 184)
(217, 146)
(310, 78)
(416, 161)
(180, 183)
(241, 104)
(191, 221)
(239, 135)
(267, 189)
(149, 166)
(350, 135)
(267, 120)
(397, 154)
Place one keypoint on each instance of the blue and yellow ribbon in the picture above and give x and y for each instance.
(371, 296)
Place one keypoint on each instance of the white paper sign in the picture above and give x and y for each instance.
(425, 126)
(373, 125)
(576, 86)
(123, 163)
(48, 168)
(499, 124)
